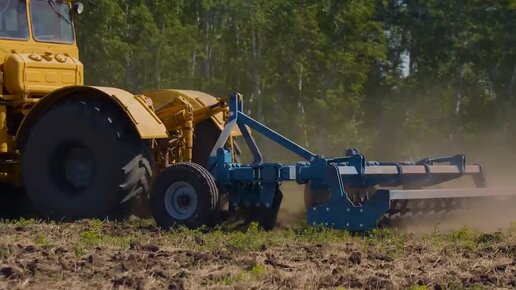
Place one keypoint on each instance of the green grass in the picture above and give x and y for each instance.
(379, 246)
(254, 238)
(43, 241)
(418, 287)
(25, 223)
(256, 273)
(391, 242)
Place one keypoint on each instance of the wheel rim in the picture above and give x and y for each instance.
(180, 200)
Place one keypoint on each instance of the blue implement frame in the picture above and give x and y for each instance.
(255, 184)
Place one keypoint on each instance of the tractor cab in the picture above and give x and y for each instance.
(39, 53)
(39, 20)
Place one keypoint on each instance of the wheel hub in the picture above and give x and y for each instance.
(181, 200)
(77, 167)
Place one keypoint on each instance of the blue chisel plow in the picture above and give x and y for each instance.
(256, 184)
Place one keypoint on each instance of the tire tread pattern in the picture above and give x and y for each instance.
(136, 173)
(199, 178)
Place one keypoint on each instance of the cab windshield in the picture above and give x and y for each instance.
(13, 19)
(51, 21)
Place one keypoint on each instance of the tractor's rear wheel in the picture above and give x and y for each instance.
(184, 194)
(84, 159)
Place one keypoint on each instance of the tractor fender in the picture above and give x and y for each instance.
(141, 115)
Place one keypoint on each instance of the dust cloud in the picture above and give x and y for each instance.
(489, 214)
(480, 214)
(292, 211)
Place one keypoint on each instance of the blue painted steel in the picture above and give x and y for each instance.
(254, 185)
(340, 213)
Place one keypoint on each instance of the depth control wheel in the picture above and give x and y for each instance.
(184, 194)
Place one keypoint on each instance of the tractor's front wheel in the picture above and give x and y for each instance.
(84, 159)
(184, 194)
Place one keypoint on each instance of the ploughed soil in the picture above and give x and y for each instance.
(137, 255)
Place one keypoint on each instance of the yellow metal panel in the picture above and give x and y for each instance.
(145, 121)
(40, 74)
(165, 97)
(4, 136)
(162, 98)
(30, 46)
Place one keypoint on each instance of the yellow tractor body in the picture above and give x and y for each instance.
(52, 126)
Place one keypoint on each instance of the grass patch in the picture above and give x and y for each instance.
(256, 273)
(463, 238)
(43, 241)
(386, 241)
(79, 250)
(25, 223)
(93, 236)
(256, 239)
(488, 239)
(252, 240)
(418, 287)
(390, 242)
(308, 233)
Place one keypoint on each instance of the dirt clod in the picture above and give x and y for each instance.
(355, 258)
(10, 271)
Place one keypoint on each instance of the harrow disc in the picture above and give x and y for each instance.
(437, 206)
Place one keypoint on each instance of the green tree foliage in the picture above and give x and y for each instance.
(394, 78)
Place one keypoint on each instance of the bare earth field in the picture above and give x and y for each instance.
(137, 255)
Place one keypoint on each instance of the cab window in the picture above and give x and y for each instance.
(51, 21)
(13, 20)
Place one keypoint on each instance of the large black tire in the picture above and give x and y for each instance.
(184, 194)
(84, 159)
(14, 203)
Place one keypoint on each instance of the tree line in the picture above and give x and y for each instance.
(395, 78)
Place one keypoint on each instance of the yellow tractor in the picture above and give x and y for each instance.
(81, 151)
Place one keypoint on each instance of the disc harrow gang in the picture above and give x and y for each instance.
(434, 206)
(346, 192)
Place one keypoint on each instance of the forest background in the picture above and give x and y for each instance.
(396, 79)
